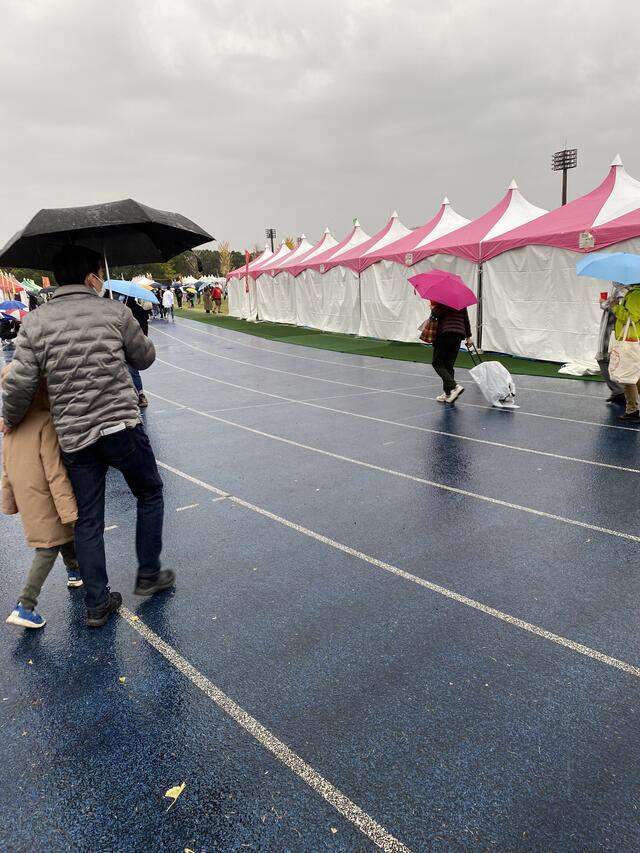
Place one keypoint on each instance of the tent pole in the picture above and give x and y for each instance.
(479, 312)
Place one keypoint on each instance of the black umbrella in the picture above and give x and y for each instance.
(125, 232)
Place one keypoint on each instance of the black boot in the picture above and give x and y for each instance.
(97, 616)
(165, 579)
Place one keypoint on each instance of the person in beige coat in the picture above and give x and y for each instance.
(35, 484)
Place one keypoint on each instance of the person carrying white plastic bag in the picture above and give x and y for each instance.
(495, 382)
(624, 365)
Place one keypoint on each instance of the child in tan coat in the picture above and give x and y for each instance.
(35, 484)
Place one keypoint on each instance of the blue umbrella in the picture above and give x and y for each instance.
(12, 305)
(130, 288)
(621, 267)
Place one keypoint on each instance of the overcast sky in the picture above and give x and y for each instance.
(299, 114)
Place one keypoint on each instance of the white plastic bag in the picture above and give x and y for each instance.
(496, 384)
(624, 361)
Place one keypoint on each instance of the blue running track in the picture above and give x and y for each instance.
(397, 626)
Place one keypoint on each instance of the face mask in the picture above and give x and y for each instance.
(101, 290)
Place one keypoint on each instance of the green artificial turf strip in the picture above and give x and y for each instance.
(369, 346)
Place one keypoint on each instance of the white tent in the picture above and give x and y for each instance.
(458, 251)
(327, 295)
(285, 277)
(240, 290)
(236, 283)
(534, 304)
(391, 309)
(276, 300)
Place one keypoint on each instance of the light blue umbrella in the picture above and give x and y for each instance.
(620, 267)
(130, 288)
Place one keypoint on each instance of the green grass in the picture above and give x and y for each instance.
(367, 346)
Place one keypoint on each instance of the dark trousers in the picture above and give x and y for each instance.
(130, 452)
(136, 379)
(445, 352)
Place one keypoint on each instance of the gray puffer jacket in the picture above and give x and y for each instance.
(81, 345)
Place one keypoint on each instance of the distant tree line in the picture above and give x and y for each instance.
(213, 262)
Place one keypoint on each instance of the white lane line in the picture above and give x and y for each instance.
(454, 435)
(234, 341)
(188, 506)
(215, 500)
(273, 369)
(566, 643)
(286, 401)
(111, 527)
(291, 760)
(484, 407)
(414, 478)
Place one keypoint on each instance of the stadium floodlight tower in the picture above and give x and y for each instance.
(271, 235)
(563, 161)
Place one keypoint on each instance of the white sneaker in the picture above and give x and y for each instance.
(441, 398)
(453, 396)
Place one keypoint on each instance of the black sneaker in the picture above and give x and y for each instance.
(165, 579)
(97, 616)
(629, 416)
(618, 399)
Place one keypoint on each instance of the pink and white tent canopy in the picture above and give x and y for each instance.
(262, 257)
(321, 262)
(296, 265)
(273, 266)
(274, 260)
(610, 212)
(359, 257)
(401, 250)
(512, 210)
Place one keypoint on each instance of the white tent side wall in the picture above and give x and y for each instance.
(235, 289)
(276, 298)
(329, 301)
(391, 309)
(536, 306)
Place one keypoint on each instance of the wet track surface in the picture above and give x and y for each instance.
(448, 726)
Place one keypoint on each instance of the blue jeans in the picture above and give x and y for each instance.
(137, 379)
(129, 451)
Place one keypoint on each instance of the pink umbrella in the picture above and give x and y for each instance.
(445, 288)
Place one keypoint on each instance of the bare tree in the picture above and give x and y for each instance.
(224, 248)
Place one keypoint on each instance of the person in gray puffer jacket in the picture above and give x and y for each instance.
(83, 346)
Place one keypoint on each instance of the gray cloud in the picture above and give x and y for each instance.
(302, 114)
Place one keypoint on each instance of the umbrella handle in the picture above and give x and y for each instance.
(106, 270)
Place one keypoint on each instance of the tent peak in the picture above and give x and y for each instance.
(394, 215)
(513, 185)
(327, 230)
(445, 200)
(356, 223)
(617, 161)
(303, 236)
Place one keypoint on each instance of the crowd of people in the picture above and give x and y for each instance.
(72, 400)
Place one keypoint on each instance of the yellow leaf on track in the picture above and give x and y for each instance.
(134, 618)
(174, 793)
(122, 679)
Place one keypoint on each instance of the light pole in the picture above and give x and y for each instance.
(562, 161)
(271, 235)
